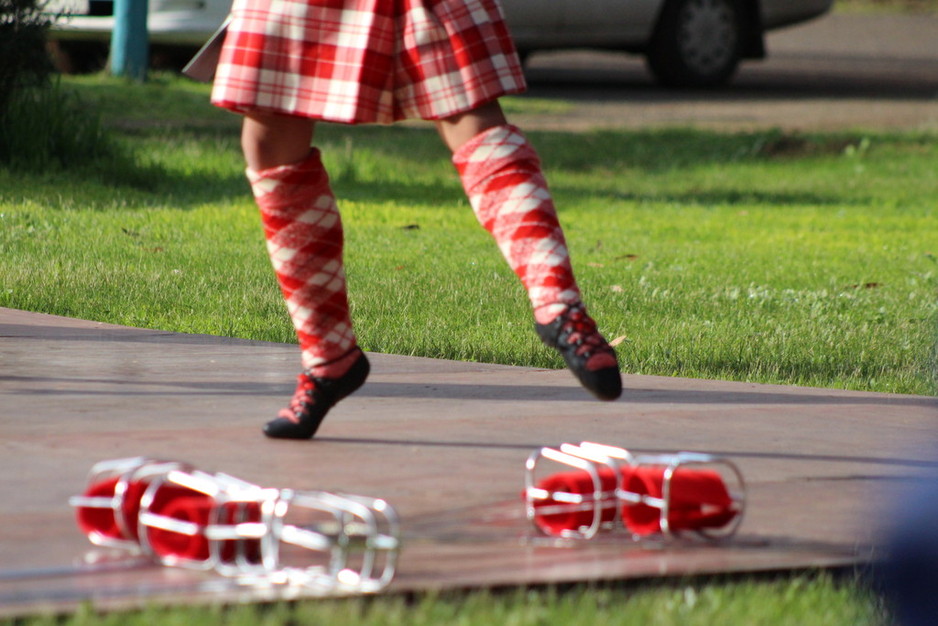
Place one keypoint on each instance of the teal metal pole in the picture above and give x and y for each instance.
(130, 40)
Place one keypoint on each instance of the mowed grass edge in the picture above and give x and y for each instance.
(804, 599)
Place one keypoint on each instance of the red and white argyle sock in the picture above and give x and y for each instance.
(304, 240)
(501, 174)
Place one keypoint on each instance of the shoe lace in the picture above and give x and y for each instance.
(303, 395)
(580, 331)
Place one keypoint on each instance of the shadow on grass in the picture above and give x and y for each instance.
(712, 197)
(128, 175)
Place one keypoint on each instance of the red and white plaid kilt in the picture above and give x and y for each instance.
(358, 61)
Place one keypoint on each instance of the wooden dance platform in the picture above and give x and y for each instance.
(443, 442)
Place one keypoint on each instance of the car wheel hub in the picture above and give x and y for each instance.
(707, 35)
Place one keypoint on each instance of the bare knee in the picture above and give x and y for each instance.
(269, 140)
(458, 129)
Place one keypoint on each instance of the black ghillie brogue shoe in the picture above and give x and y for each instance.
(312, 400)
(591, 359)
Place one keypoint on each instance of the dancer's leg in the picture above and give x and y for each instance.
(501, 174)
(304, 237)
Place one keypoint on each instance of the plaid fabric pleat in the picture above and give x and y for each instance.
(502, 176)
(305, 240)
(361, 61)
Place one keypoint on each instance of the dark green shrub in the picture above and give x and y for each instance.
(47, 127)
(42, 125)
(24, 60)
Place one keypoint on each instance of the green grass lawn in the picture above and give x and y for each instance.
(759, 256)
(886, 6)
(798, 601)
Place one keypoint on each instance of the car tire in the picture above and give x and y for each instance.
(697, 43)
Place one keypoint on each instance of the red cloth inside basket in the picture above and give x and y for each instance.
(173, 501)
(102, 520)
(186, 505)
(554, 516)
(699, 499)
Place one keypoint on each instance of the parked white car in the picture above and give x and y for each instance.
(686, 42)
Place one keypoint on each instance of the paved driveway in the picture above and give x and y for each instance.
(842, 71)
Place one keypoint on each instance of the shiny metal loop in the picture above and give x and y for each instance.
(577, 504)
(598, 506)
(183, 517)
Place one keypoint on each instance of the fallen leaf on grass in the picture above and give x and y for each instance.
(617, 340)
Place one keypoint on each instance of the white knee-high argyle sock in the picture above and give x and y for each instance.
(501, 174)
(305, 239)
